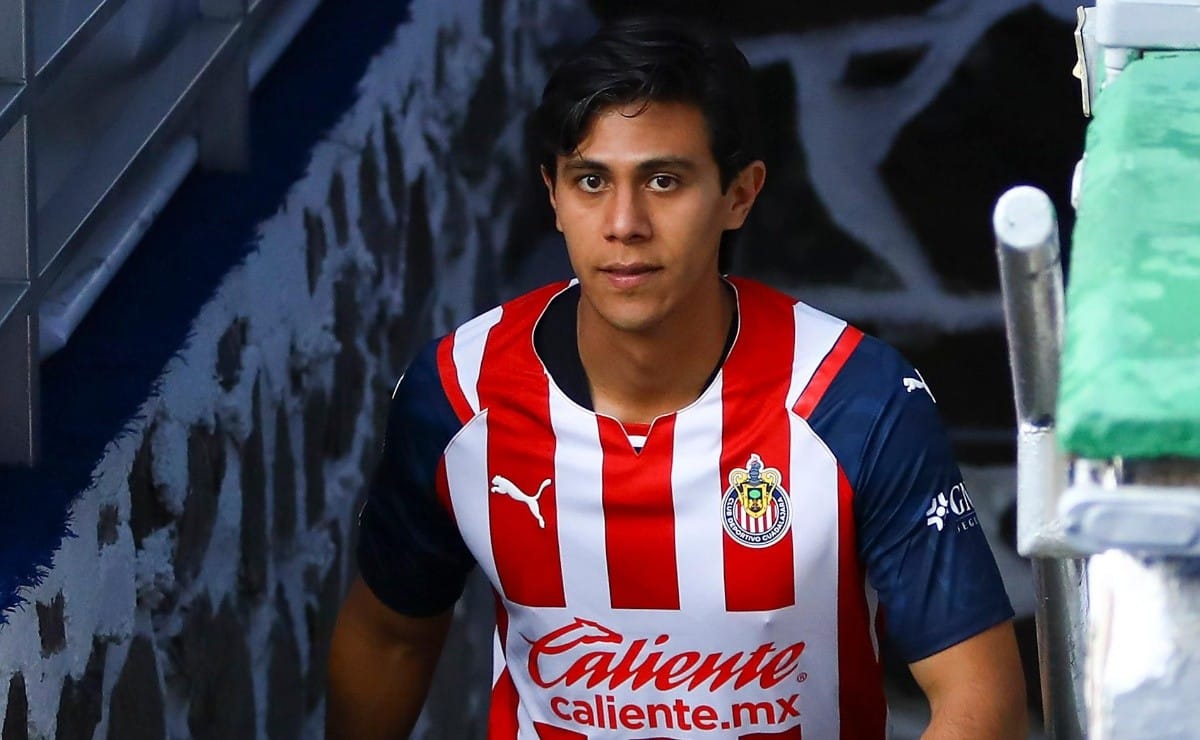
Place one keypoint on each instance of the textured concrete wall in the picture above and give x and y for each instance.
(212, 550)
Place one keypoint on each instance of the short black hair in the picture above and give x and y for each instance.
(647, 59)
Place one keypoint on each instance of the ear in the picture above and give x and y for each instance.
(743, 191)
(549, 182)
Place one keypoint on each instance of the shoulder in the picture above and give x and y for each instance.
(522, 311)
(497, 341)
(873, 403)
(875, 372)
(841, 370)
(421, 400)
(853, 364)
(866, 381)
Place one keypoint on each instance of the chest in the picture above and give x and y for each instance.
(725, 506)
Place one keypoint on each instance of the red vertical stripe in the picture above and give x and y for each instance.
(502, 715)
(827, 371)
(639, 517)
(793, 733)
(861, 702)
(548, 732)
(449, 375)
(442, 486)
(515, 391)
(755, 383)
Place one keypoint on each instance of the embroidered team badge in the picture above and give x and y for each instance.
(756, 507)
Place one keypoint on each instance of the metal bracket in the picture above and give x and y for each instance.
(1110, 35)
(1041, 478)
(1142, 519)
(1148, 24)
(1085, 51)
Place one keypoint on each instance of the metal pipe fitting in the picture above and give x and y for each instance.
(1026, 230)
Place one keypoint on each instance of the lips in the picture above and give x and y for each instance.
(629, 275)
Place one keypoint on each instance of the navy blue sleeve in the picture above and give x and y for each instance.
(918, 535)
(410, 553)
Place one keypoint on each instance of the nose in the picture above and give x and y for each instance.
(628, 218)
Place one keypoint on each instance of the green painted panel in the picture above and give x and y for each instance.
(1131, 362)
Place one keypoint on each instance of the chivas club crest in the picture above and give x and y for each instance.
(756, 508)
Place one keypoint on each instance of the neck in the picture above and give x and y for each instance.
(637, 376)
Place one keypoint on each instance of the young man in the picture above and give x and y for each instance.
(696, 498)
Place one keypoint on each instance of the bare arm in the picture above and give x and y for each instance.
(976, 688)
(380, 667)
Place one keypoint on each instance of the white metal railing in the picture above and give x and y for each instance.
(1079, 519)
(104, 107)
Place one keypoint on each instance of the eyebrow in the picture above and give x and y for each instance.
(650, 165)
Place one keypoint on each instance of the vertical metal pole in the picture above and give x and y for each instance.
(17, 261)
(19, 387)
(1031, 278)
(20, 416)
(1026, 229)
(1062, 609)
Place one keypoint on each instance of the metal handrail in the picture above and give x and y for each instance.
(209, 68)
(1026, 229)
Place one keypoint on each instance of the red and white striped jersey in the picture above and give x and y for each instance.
(703, 581)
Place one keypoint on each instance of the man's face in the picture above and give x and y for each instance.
(641, 207)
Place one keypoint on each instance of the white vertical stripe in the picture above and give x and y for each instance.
(524, 621)
(469, 341)
(498, 661)
(578, 496)
(696, 490)
(525, 728)
(467, 478)
(814, 499)
(816, 333)
(872, 612)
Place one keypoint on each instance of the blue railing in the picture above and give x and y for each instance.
(104, 106)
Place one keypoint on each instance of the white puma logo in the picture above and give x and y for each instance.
(912, 384)
(503, 485)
